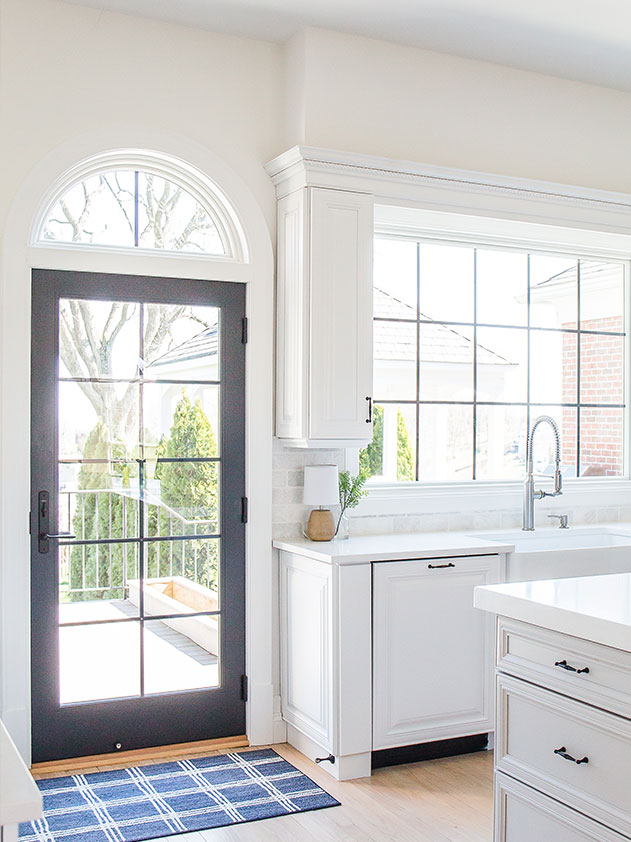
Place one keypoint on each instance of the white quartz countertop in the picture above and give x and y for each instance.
(596, 608)
(367, 548)
(20, 799)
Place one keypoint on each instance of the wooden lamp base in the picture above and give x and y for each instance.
(321, 525)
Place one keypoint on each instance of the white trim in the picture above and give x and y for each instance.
(453, 190)
(18, 259)
(477, 495)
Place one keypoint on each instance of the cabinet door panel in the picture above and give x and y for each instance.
(291, 317)
(432, 650)
(306, 647)
(341, 314)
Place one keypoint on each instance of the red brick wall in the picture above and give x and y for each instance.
(602, 376)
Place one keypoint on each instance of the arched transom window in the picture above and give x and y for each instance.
(137, 208)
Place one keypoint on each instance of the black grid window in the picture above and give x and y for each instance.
(472, 343)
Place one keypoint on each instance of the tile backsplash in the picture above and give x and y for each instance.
(290, 514)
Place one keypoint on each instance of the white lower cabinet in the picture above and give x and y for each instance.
(563, 764)
(432, 650)
(413, 623)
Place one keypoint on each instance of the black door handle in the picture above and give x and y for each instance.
(43, 524)
(438, 566)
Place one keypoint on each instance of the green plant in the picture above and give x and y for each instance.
(351, 492)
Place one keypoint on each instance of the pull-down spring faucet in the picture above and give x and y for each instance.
(530, 494)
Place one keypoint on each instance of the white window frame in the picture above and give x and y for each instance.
(197, 184)
(392, 498)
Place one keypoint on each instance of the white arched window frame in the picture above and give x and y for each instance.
(201, 188)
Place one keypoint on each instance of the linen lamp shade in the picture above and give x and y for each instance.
(321, 485)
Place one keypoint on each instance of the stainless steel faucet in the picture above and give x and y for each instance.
(530, 494)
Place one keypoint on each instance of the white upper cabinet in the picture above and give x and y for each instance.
(324, 316)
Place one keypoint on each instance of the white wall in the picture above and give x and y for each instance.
(370, 96)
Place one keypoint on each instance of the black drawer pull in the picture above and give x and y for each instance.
(565, 666)
(563, 753)
(369, 419)
(438, 566)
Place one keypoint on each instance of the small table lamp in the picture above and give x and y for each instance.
(321, 489)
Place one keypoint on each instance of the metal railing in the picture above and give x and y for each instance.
(109, 535)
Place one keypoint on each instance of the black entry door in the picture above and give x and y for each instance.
(138, 540)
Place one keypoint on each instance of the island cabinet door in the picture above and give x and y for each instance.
(432, 650)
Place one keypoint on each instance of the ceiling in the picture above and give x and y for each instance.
(586, 40)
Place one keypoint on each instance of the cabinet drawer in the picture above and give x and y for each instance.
(595, 674)
(538, 726)
(523, 814)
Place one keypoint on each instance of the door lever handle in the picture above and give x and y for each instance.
(61, 535)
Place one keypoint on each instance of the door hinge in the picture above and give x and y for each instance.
(244, 688)
(244, 330)
(244, 510)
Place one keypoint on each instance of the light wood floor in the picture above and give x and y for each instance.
(447, 800)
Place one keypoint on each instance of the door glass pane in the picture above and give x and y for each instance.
(99, 661)
(182, 498)
(98, 420)
(180, 421)
(181, 342)
(99, 501)
(181, 654)
(182, 577)
(98, 339)
(94, 582)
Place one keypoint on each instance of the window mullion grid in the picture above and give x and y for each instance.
(418, 362)
(528, 341)
(578, 368)
(475, 363)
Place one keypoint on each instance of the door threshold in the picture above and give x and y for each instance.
(139, 755)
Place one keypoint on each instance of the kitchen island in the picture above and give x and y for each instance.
(563, 708)
(20, 799)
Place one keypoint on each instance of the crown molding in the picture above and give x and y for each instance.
(453, 190)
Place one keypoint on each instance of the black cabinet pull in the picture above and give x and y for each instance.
(563, 753)
(565, 666)
(438, 566)
(369, 419)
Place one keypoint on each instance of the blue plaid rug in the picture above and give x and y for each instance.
(163, 799)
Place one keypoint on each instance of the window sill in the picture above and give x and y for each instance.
(426, 498)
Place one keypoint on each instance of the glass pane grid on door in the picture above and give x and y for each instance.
(139, 469)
